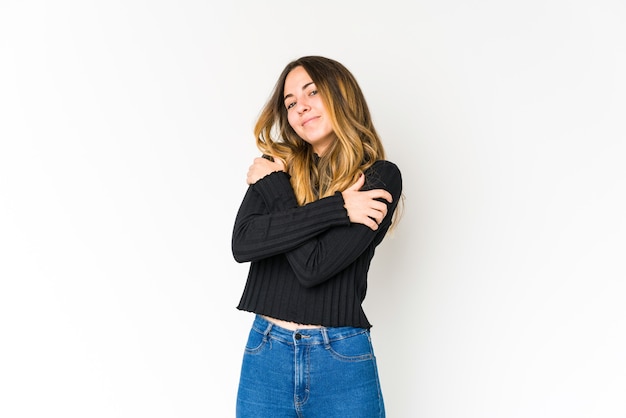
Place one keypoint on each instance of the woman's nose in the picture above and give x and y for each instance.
(302, 106)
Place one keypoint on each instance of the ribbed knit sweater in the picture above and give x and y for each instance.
(309, 263)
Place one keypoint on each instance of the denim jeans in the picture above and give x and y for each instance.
(322, 372)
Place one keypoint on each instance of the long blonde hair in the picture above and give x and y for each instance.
(357, 146)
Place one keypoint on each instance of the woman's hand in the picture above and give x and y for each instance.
(362, 207)
(261, 167)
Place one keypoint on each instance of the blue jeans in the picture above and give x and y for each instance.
(322, 372)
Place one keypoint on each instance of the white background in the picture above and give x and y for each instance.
(126, 133)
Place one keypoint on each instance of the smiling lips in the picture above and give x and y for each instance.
(309, 120)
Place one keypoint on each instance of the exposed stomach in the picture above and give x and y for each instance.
(292, 326)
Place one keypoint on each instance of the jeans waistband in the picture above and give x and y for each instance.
(312, 336)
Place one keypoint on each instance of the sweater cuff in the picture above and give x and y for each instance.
(337, 199)
(276, 191)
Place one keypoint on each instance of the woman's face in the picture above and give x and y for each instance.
(306, 112)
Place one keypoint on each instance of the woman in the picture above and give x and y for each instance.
(317, 206)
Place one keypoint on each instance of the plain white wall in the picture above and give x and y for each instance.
(125, 138)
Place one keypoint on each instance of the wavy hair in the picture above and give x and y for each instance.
(357, 146)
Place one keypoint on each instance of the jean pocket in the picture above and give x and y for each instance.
(354, 348)
(256, 342)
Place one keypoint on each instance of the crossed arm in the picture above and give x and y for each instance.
(363, 206)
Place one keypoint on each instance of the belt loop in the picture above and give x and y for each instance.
(325, 337)
(266, 333)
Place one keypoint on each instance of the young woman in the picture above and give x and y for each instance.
(319, 202)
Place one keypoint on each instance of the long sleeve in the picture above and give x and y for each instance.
(326, 254)
(270, 222)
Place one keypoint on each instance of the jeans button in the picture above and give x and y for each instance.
(298, 336)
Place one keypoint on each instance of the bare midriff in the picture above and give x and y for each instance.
(292, 326)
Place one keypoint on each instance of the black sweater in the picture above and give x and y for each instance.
(309, 264)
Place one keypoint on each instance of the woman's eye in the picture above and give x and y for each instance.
(290, 105)
(313, 93)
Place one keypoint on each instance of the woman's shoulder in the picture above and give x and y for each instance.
(384, 173)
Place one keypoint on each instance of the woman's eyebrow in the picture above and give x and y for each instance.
(303, 88)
